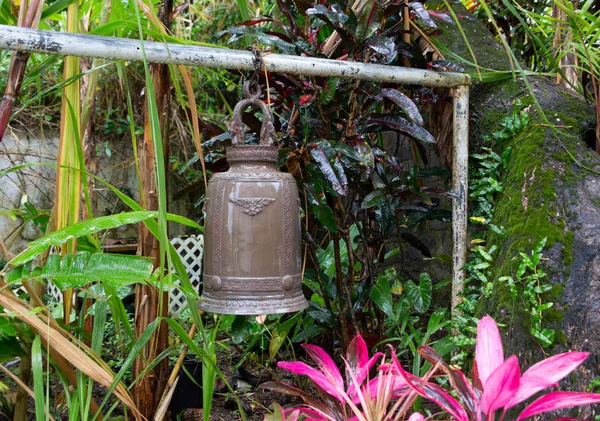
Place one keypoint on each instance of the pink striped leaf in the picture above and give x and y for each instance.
(392, 382)
(286, 389)
(430, 391)
(488, 349)
(467, 395)
(291, 414)
(559, 400)
(280, 414)
(459, 382)
(501, 386)
(315, 415)
(361, 374)
(315, 375)
(546, 374)
(357, 354)
(326, 365)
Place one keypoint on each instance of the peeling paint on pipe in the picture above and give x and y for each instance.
(69, 44)
(460, 187)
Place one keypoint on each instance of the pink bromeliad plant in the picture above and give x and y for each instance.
(497, 385)
(357, 399)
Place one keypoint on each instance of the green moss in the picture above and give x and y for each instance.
(554, 314)
(596, 201)
(529, 210)
(560, 338)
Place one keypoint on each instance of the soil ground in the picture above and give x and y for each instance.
(245, 382)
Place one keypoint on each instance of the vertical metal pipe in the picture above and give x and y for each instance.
(460, 188)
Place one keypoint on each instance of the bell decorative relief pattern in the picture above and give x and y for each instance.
(253, 206)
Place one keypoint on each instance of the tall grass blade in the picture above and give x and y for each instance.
(194, 116)
(38, 379)
(22, 385)
(64, 353)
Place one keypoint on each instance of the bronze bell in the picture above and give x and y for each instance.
(252, 253)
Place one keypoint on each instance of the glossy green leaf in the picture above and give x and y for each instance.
(308, 333)
(422, 13)
(420, 295)
(373, 199)
(328, 171)
(405, 103)
(277, 340)
(540, 246)
(382, 297)
(347, 151)
(88, 227)
(75, 271)
(10, 348)
(329, 91)
(402, 125)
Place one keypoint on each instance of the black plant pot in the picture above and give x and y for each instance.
(188, 392)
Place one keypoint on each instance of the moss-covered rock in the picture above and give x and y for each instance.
(547, 194)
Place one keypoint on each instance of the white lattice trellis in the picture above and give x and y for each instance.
(190, 249)
(53, 292)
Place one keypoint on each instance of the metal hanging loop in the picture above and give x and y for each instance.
(267, 131)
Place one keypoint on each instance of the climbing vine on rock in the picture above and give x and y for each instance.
(529, 284)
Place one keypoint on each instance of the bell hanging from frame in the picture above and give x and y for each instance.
(252, 253)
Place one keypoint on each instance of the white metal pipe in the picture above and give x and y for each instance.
(69, 44)
(460, 187)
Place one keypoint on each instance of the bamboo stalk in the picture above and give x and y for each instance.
(163, 405)
(68, 181)
(406, 22)
(151, 302)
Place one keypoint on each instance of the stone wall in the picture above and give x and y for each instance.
(36, 184)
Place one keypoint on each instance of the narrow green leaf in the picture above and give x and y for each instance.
(540, 246)
(37, 368)
(56, 7)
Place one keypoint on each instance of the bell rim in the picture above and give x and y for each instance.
(223, 306)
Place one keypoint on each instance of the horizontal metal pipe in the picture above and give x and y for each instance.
(69, 44)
